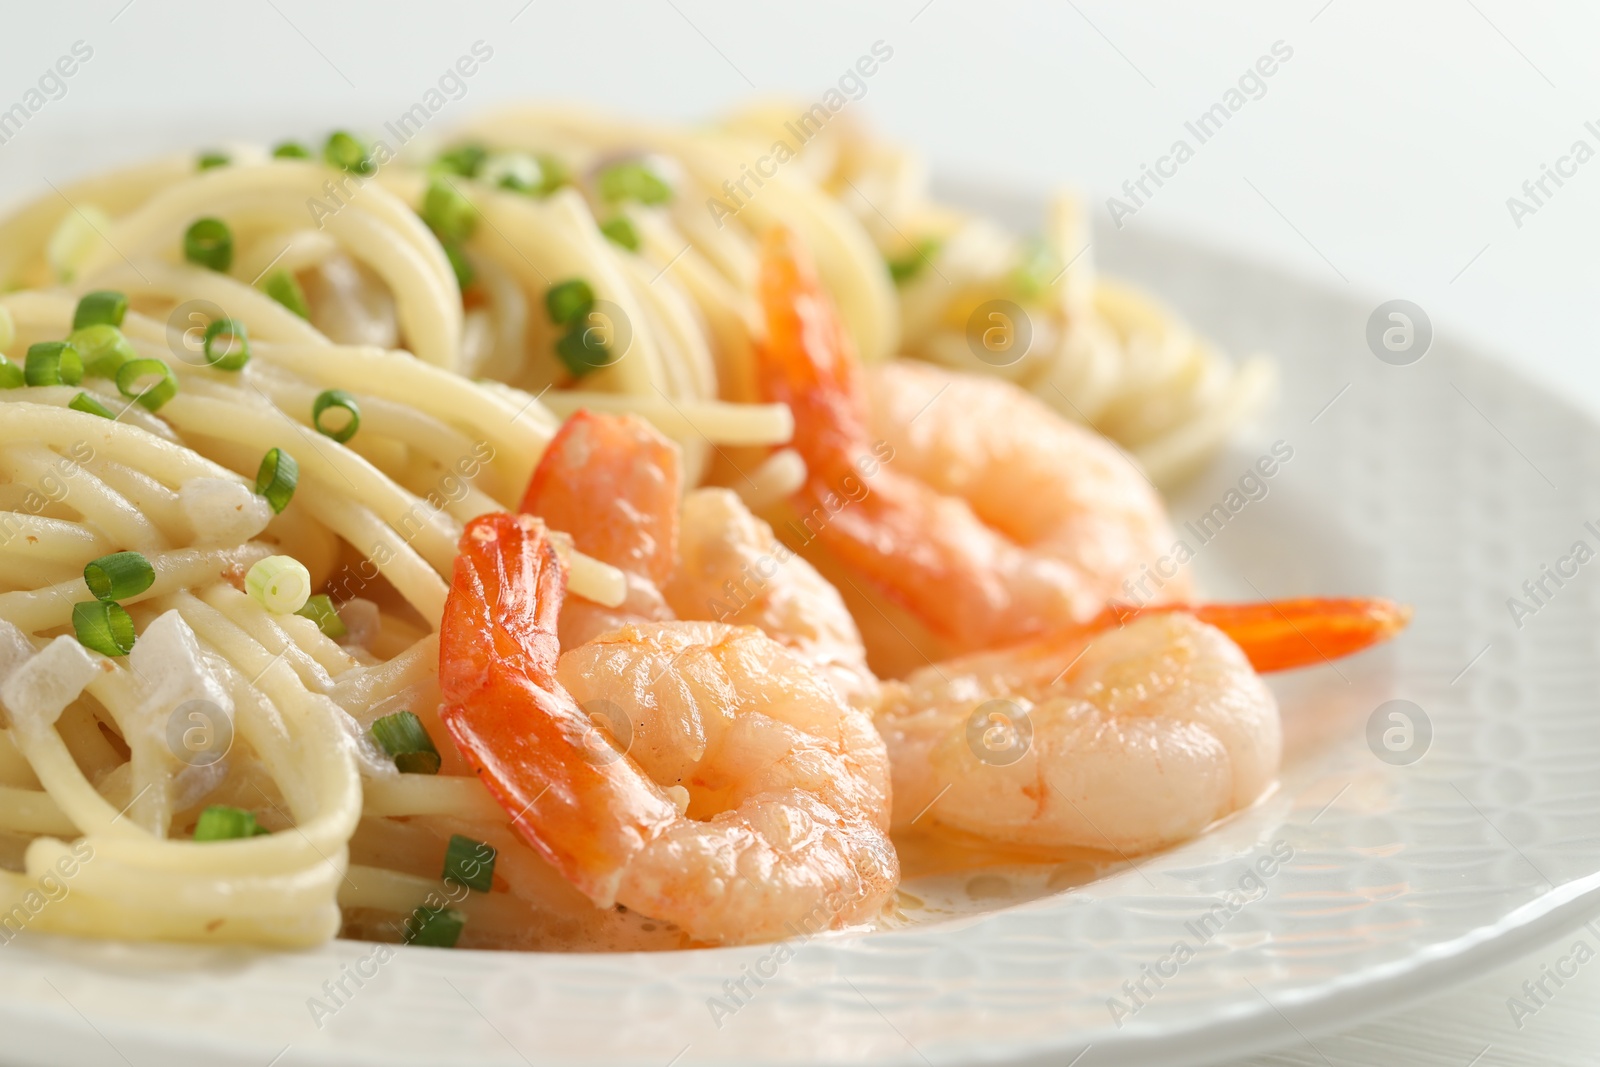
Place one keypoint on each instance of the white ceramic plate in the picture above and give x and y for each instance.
(1445, 483)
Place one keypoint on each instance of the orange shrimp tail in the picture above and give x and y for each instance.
(1280, 635)
(530, 742)
(612, 482)
(504, 600)
(806, 359)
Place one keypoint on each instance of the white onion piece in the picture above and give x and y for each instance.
(173, 670)
(37, 692)
(223, 512)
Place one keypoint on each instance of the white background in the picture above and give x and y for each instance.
(1379, 159)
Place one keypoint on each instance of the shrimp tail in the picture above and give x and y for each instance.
(806, 359)
(526, 737)
(508, 586)
(1280, 635)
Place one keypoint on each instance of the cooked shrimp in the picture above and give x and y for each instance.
(994, 520)
(708, 559)
(1131, 732)
(752, 800)
(1127, 739)
(733, 568)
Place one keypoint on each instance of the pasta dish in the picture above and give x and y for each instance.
(542, 540)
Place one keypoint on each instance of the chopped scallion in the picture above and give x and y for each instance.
(103, 307)
(1038, 269)
(281, 584)
(459, 263)
(516, 171)
(90, 406)
(11, 375)
(53, 363)
(469, 862)
(553, 174)
(403, 736)
(234, 352)
(208, 160)
(118, 576)
(222, 823)
(343, 150)
(103, 349)
(447, 212)
(285, 289)
(103, 627)
(910, 265)
(276, 479)
(568, 301)
(582, 350)
(291, 150)
(209, 243)
(435, 927)
(343, 401)
(465, 160)
(320, 610)
(634, 179)
(133, 382)
(620, 231)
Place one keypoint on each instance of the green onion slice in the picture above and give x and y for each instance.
(553, 174)
(133, 382)
(417, 763)
(291, 150)
(228, 357)
(582, 350)
(569, 301)
(465, 160)
(11, 375)
(469, 862)
(435, 927)
(118, 576)
(634, 179)
(910, 265)
(403, 736)
(102, 348)
(276, 479)
(1038, 269)
(516, 171)
(285, 289)
(458, 263)
(209, 243)
(222, 823)
(336, 398)
(620, 231)
(281, 584)
(53, 363)
(343, 150)
(208, 160)
(90, 406)
(104, 627)
(103, 307)
(320, 610)
(447, 212)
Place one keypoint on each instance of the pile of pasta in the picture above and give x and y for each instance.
(250, 397)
